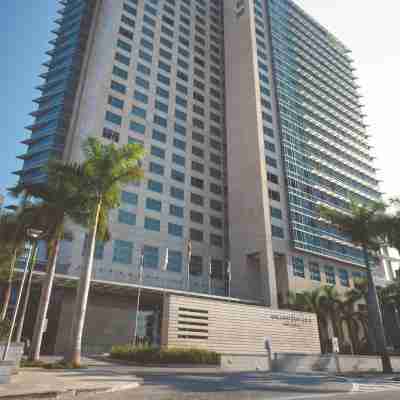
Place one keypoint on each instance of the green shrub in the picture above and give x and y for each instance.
(4, 329)
(152, 355)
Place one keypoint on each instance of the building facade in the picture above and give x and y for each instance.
(250, 116)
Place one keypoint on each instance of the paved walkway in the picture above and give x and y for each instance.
(99, 377)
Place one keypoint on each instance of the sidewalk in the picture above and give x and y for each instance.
(99, 377)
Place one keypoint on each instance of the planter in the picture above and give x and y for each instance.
(14, 355)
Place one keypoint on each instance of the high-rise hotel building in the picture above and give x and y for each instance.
(250, 115)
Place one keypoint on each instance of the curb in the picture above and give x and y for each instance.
(57, 394)
(308, 389)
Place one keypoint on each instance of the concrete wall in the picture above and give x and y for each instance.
(234, 328)
(331, 363)
(249, 208)
(110, 320)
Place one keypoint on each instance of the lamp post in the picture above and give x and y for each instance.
(33, 235)
(141, 263)
(229, 278)
(189, 259)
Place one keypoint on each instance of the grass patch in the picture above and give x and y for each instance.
(152, 355)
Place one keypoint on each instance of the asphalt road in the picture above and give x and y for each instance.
(225, 387)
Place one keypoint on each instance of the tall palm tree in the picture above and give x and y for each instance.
(58, 198)
(312, 302)
(106, 169)
(330, 301)
(363, 224)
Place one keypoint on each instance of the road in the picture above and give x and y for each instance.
(228, 387)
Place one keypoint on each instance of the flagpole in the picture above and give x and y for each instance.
(189, 257)
(210, 276)
(141, 262)
(229, 278)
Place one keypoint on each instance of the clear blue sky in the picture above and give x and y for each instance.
(24, 35)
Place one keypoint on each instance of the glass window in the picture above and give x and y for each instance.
(113, 118)
(175, 230)
(136, 127)
(298, 267)
(315, 272)
(157, 152)
(139, 112)
(175, 261)
(154, 205)
(196, 265)
(216, 240)
(344, 278)
(141, 97)
(125, 217)
(177, 175)
(150, 257)
(176, 211)
(155, 186)
(120, 73)
(156, 168)
(157, 135)
(129, 198)
(196, 235)
(330, 275)
(122, 252)
(276, 213)
(152, 224)
(113, 101)
(177, 193)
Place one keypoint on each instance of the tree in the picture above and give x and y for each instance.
(331, 300)
(13, 236)
(59, 198)
(364, 226)
(106, 169)
(312, 302)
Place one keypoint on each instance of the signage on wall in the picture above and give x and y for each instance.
(292, 319)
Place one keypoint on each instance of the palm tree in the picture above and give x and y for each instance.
(312, 302)
(106, 169)
(363, 224)
(59, 198)
(331, 300)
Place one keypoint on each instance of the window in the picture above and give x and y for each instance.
(113, 101)
(129, 198)
(196, 265)
(122, 59)
(120, 73)
(197, 167)
(113, 118)
(150, 257)
(141, 97)
(196, 235)
(157, 135)
(156, 168)
(196, 216)
(155, 186)
(157, 152)
(177, 193)
(271, 162)
(277, 232)
(177, 159)
(196, 182)
(111, 134)
(139, 112)
(125, 217)
(176, 211)
(270, 146)
(216, 222)
(175, 261)
(143, 69)
(154, 205)
(124, 46)
(216, 240)
(298, 267)
(161, 106)
(330, 275)
(216, 205)
(122, 252)
(274, 195)
(152, 224)
(272, 178)
(315, 272)
(175, 230)
(177, 175)
(276, 213)
(196, 199)
(344, 278)
(136, 127)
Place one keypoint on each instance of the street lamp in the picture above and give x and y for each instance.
(33, 235)
(141, 264)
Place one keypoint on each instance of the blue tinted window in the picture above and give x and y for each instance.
(156, 168)
(161, 137)
(136, 127)
(113, 118)
(177, 159)
(122, 252)
(118, 87)
(120, 73)
(139, 112)
(113, 101)
(175, 230)
(177, 193)
(174, 261)
(176, 211)
(152, 224)
(154, 205)
(141, 97)
(126, 217)
(129, 198)
(157, 151)
(150, 257)
(155, 186)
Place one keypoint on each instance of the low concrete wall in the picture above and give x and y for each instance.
(245, 362)
(6, 370)
(331, 363)
(14, 354)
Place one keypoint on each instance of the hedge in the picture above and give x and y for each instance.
(153, 355)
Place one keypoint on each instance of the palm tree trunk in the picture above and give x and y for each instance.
(45, 295)
(18, 335)
(7, 294)
(375, 321)
(78, 322)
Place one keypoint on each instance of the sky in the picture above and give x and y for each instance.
(369, 28)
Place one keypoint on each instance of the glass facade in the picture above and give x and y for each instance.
(325, 147)
(52, 118)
